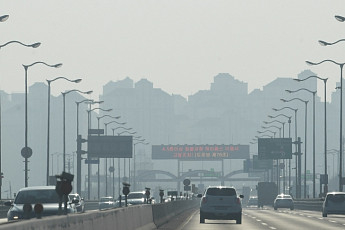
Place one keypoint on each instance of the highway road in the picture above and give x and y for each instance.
(268, 219)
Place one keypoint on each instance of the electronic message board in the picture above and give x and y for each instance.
(110, 146)
(274, 148)
(200, 152)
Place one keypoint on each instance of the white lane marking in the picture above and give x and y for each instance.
(258, 220)
(263, 223)
(272, 228)
(332, 221)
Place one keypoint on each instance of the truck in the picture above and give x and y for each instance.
(267, 192)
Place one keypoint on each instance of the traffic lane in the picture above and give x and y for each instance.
(193, 223)
(296, 219)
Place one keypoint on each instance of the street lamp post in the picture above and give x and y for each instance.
(314, 93)
(79, 153)
(64, 121)
(134, 167)
(305, 140)
(35, 45)
(341, 65)
(289, 121)
(26, 149)
(48, 126)
(88, 135)
(296, 158)
(106, 163)
(325, 126)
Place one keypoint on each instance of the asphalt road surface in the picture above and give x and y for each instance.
(269, 219)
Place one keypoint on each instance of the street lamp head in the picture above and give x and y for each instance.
(4, 18)
(289, 91)
(310, 63)
(340, 18)
(77, 80)
(57, 65)
(274, 109)
(283, 100)
(88, 92)
(323, 43)
(270, 116)
(108, 110)
(35, 45)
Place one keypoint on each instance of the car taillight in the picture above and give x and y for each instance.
(238, 200)
(204, 200)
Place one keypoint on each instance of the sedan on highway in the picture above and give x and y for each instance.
(78, 201)
(36, 201)
(106, 203)
(283, 201)
(334, 203)
(221, 203)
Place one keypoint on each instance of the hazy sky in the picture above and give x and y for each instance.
(179, 45)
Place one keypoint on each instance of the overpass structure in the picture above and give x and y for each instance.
(164, 176)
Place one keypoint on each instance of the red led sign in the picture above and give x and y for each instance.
(200, 152)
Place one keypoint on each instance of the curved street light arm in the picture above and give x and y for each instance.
(119, 123)
(286, 107)
(313, 76)
(41, 62)
(327, 60)
(301, 89)
(293, 99)
(289, 117)
(74, 81)
(271, 126)
(106, 115)
(126, 132)
(34, 45)
(85, 100)
(76, 90)
(323, 43)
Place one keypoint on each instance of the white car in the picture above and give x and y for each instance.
(334, 203)
(283, 201)
(31, 196)
(135, 198)
(221, 203)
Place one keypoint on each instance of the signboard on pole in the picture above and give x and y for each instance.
(262, 164)
(110, 146)
(274, 148)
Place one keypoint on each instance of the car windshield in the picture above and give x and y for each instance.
(37, 196)
(72, 196)
(336, 197)
(136, 196)
(106, 199)
(221, 192)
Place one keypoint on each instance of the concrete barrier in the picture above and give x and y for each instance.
(129, 218)
(136, 217)
(162, 213)
(308, 204)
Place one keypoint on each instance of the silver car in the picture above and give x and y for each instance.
(106, 203)
(221, 203)
(334, 203)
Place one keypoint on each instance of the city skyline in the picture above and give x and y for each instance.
(177, 45)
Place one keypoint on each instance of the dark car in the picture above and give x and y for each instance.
(78, 201)
(334, 203)
(30, 196)
(221, 203)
